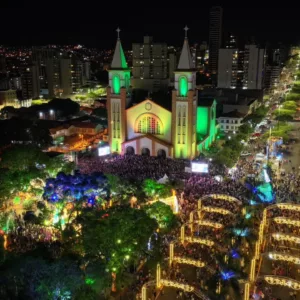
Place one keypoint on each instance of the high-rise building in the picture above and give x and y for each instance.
(8, 98)
(30, 82)
(227, 68)
(254, 61)
(15, 83)
(59, 74)
(150, 65)
(87, 69)
(172, 61)
(215, 37)
(77, 72)
(231, 42)
(65, 77)
(272, 77)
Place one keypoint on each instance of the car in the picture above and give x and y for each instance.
(252, 138)
(245, 153)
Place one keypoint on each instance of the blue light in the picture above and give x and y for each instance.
(240, 232)
(54, 197)
(227, 275)
(234, 254)
(252, 202)
(91, 201)
(248, 216)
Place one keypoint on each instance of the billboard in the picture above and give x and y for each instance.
(199, 167)
(103, 151)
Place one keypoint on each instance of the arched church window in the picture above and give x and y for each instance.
(149, 124)
(183, 116)
(179, 115)
(183, 86)
(116, 84)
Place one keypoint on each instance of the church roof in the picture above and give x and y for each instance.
(207, 101)
(185, 60)
(163, 99)
(119, 60)
(151, 137)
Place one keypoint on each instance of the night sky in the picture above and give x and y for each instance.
(94, 24)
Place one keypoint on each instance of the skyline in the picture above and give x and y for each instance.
(266, 25)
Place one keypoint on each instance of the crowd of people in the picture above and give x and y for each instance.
(133, 166)
(25, 236)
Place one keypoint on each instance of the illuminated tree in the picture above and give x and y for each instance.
(154, 189)
(117, 237)
(121, 189)
(162, 213)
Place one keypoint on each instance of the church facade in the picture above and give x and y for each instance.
(148, 128)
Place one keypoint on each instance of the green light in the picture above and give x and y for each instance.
(17, 200)
(114, 269)
(116, 84)
(127, 257)
(183, 86)
(119, 241)
(202, 121)
(89, 281)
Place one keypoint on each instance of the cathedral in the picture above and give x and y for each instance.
(180, 129)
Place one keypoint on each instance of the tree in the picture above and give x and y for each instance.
(100, 112)
(21, 157)
(162, 213)
(86, 292)
(121, 189)
(245, 129)
(36, 278)
(117, 237)
(63, 107)
(154, 189)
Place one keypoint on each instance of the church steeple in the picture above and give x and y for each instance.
(117, 94)
(119, 60)
(185, 61)
(184, 105)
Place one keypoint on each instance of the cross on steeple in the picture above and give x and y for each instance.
(118, 32)
(186, 30)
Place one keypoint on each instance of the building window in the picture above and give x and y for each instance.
(149, 124)
(183, 116)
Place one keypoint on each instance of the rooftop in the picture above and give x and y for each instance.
(233, 114)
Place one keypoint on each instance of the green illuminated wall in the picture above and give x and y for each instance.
(183, 86)
(202, 121)
(212, 132)
(116, 84)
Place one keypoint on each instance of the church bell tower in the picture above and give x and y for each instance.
(117, 94)
(184, 105)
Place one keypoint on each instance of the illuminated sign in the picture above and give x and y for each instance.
(199, 168)
(103, 151)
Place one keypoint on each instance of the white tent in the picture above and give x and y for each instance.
(163, 180)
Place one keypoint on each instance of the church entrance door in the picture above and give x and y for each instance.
(145, 152)
(161, 153)
(130, 150)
